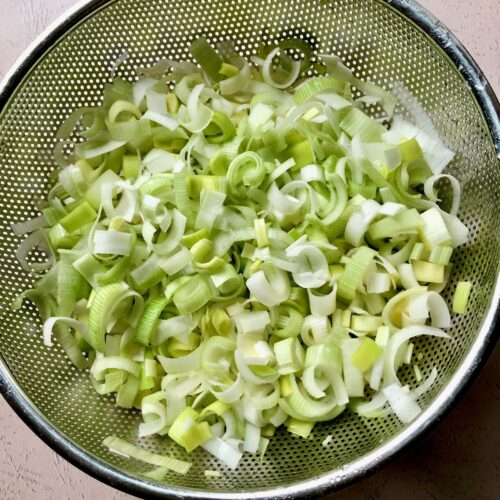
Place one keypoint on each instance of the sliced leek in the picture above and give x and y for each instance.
(247, 250)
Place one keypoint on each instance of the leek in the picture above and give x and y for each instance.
(246, 250)
(461, 297)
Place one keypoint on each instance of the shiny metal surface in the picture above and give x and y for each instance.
(382, 40)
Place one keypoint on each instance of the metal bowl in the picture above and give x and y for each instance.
(382, 41)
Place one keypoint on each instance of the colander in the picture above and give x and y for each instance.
(381, 40)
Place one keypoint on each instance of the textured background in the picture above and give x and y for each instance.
(461, 460)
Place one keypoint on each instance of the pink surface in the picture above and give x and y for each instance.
(460, 460)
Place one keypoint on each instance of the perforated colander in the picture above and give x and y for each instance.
(382, 41)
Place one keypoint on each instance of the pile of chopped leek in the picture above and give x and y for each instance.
(234, 247)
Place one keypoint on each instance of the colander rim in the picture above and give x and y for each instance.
(370, 463)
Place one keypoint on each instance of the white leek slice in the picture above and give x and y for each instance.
(426, 384)
(252, 322)
(457, 229)
(378, 282)
(127, 205)
(105, 148)
(323, 305)
(312, 269)
(159, 161)
(122, 448)
(430, 304)
(353, 376)
(155, 415)
(359, 221)
(417, 112)
(455, 185)
(176, 262)
(272, 291)
(174, 236)
(229, 394)
(282, 203)
(112, 242)
(315, 329)
(210, 208)
(140, 88)
(247, 373)
(435, 231)
(236, 83)
(48, 327)
(224, 452)
(267, 71)
(163, 120)
(258, 116)
(374, 408)
(437, 155)
(252, 438)
(397, 341)
(405, 408)
(376, 373)
(183, 364)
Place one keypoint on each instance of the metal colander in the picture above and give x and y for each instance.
(382, 41)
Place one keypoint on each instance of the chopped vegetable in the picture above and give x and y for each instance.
(234, 248)
(461, 297)
(212, 473)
